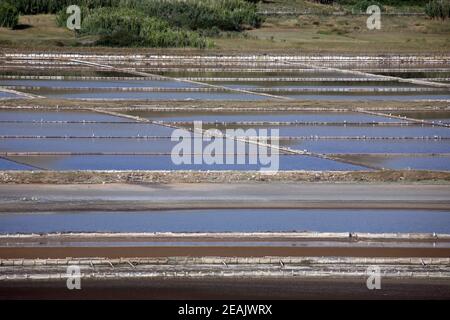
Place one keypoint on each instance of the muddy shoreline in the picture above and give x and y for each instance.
(166, 177)
(220, 288)
(222, 106)
(197, 251)
(135, 206)
(249, 195)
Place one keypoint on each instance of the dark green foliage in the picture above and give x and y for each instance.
(192, 14)
(104, 21)
(393, 3)
(9, 16)
(362, 5)
(156, 23)
(438, 9)
(119, 38)
(54, 6)
(229, 15)
(128, 27)
(324, 1)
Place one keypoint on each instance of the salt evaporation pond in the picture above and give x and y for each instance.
(227, 220)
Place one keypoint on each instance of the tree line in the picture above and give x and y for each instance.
(168, 23)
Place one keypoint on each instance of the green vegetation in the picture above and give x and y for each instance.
(9, 16)
(230, 15)
(53, 6)
(318, 32)
(392, 3)
(129, 27)
(190, 14)
(105, 20)
(362, 5)
(438, 9)
(154, 23)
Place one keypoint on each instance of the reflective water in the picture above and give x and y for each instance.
(420, 163)
(361, 131)
(368, 97)
(153, 95)
(79, 72)
(330, 85)
(237, 220)
(292, 72)
(6, 164)
(54, 115)
(370, 146)
(7, 95)
(98, 84)
(93, 145)
(84, 129)
(312, 84)
(136, 162)
(436, 116)
(262, 116)
(127, 95)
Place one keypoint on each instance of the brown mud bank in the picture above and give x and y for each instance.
(222, 251)
(221, 106)
(191, 277)
(141, 206)
(166, 177)
(222, 288)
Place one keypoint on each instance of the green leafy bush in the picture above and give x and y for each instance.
(231, 15)
(105, 21)
(54, 6)
(165, 23)
(192, 14)
(362, 5)
(393, 3)
(9, 16)
(438, 9)
(129, 27)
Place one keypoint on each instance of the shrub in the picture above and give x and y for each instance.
(438, 9)
(229, 15)
(9, 16)
(362, 5)
(393, 3)
(119, 38)
(193, 14)
(129, 27)
(54, 6)
(105, 21)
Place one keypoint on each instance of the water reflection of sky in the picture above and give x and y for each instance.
(238, 220)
